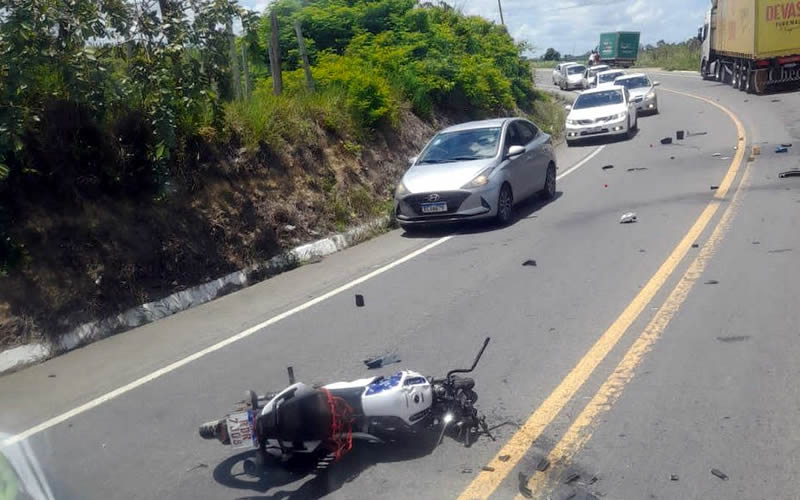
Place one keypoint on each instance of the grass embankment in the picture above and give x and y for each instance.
(671, 57)
(149, 177)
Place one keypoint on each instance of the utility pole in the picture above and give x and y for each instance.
(275, 55)
(499, 6)
(302, 45)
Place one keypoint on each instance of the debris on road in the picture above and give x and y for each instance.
(530, 263)
(666, 140)
(52, 375)
(673, 477)
(756, 150)
(712, 282)
(359, 300)
(695, 245)
(523, 486)
(486, 468)
(756, 242)
(593, 480)
(786, 145)
(636, 169)
(780, 250)
(789, 173)
(725, 158)
(695, 134)
(628, 218)
(671, 157)
(572, 478)
(198, 466)
(736, 338)
(543, 465)
(679, 134)
(607, 167)
(776, 100)
(466, 470)
(781, 149)
(504, 458)
(380, 361)
(717, 155)
(719, 474)
(714, 188)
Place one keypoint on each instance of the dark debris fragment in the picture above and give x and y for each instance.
(666, 140)
(543, 465)
(530, 263)
(608, 167)
(359, 300)
(523, 486)
(504, 458)
(378, 362)
(719, 474)
(712, 282)
(673, 477)
(486, 468)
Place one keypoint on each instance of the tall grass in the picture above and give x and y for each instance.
(671, 57)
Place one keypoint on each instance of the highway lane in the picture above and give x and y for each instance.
(433, 309)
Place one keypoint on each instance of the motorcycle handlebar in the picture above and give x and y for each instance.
(474, 363)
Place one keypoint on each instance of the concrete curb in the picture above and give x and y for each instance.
(25, 355)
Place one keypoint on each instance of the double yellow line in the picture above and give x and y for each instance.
(485, 483)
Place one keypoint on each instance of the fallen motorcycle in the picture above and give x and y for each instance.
(324, 421)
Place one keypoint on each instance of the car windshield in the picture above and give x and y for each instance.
(462, 145)
(595, 99)
(609, 77)
(636, 82)
(597, 69)
(575, 70)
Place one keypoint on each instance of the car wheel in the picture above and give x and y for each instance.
(505, 205)
(549, 191)
(629, 133)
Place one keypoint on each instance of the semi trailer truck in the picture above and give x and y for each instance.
(619, 48)
(751, 44)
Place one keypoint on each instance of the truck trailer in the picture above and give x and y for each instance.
(751, 44)
(619, 48)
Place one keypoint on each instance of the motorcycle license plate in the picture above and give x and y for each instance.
(434, 208)
(241, 429)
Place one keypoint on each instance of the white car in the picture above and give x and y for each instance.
(607, 111)
(606, 78)
(557, 71)
(590, 75)
(642, 91)
(572, 77)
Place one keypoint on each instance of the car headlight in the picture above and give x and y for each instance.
(401, 190)
(572, 122)
(620, 116)
(650, 95)
(481, 179)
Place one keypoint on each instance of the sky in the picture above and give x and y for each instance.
(574, 26)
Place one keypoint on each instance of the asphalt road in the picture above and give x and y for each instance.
(612, 356)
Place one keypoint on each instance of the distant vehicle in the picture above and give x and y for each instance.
(606, 78)
(557, 71)
(619, 48)
(601, 112)
(642, 91)
(476, 170)
(751, 44)
(589, 76)
(572, 77)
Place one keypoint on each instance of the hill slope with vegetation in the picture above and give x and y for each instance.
(143, 150)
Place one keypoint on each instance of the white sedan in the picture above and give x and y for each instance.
(642, 91)
(606, 78)
(607, 111)
(557, 71)
(590, 75)
(571, 77)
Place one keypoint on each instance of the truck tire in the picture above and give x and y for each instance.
(742, 77)
(719, 71)
(735, 75)
(749, 85)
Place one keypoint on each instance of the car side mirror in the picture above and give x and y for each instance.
(412, 160)
(568, 107)
(656, 84)
(515, 151)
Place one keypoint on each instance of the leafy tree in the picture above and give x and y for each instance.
(551, 54)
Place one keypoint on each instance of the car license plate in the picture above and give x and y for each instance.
(241, 430)
(434, 208)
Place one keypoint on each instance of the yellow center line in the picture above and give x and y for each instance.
(581, 429)
(486, 482)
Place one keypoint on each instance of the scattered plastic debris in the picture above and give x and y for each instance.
(780, 250)
(607, 167)
(466, 470)
(756, 242)
(671, 157)
(714, 188)
(679, 134)
(530, 263)
(359, 300)
(486, 468)
(673, 477)
(642, 250)
(781, 149)
(719, 474)
(380, 361)
(666, 140)
(504, 458)
(523, 486)
(695, 134)
(717, 155)
(789, 173)
(776, 100)
(712, 282)
(52, 375)
(593, 480)
(543, 465)
(735, 338)
(574, 476)
(636, 169)
(695, 245)
(786, 145)
(628, 218)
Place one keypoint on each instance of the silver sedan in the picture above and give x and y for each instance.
(476, 170)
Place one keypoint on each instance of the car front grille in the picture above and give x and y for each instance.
(602, 119)
(454, 199)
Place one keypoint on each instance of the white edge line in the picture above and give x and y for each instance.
(582, 162)
(239, 336)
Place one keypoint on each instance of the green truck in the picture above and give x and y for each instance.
(619, 48)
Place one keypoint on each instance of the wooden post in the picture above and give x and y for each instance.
(246, 70)
(275, 55)
(234, 58)
(302, 44)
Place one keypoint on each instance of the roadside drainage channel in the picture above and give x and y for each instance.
(22, 356)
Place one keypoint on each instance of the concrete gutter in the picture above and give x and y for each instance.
(25, 355)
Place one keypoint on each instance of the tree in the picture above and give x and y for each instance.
(552, 54)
